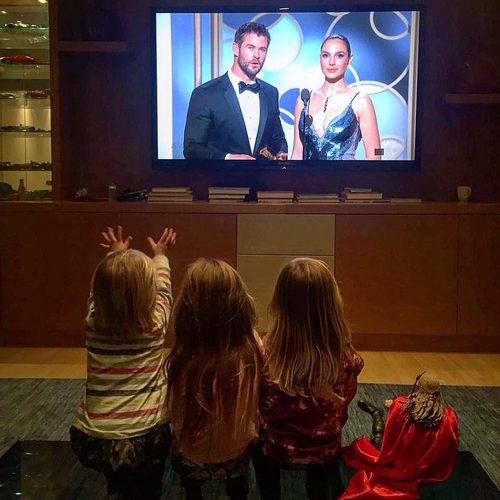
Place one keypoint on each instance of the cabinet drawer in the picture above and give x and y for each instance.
(286, 234)
(260, 272)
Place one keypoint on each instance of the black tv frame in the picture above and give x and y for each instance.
(185, 165)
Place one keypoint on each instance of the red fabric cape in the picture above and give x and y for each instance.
(410, 455)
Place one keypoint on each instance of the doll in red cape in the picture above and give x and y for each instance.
(419, 446)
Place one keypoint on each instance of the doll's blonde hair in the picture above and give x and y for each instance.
(214, 367)
(124, 290)
(425, 404)
(309, 335)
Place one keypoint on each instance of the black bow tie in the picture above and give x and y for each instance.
(252, 87)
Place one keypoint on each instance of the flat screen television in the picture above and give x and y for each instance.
(379, 93)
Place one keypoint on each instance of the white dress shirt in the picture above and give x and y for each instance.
(250, 108)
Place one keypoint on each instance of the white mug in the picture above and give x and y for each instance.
(463, 193)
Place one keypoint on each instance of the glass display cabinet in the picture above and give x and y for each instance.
(25, 140)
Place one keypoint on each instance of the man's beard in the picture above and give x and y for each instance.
(247, 69)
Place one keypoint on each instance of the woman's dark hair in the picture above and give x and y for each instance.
(247, 28)
(338, 37)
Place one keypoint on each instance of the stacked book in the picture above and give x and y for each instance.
(405, 200)
(227, 194)
(170, 195)
(361, 195)
(318, 198)
(275, 196)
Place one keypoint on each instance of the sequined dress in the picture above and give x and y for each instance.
(338, 142)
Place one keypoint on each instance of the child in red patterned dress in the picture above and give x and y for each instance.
(310, 377)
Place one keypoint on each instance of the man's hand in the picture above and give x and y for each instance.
(239, 157)
(114, 242)
(166, 241)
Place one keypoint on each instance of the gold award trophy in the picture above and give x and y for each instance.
(267, 154)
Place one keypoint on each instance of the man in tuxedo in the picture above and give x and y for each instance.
(235, 115)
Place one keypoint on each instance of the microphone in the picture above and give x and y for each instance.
(305, 95)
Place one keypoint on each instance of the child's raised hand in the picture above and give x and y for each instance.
(115, 242)
(167, 240)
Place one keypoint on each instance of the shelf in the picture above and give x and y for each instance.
(34, 133)
(38, 71)
(25, 170)
(472, 99)
(29, 39)
(97, 47)
(33, 166)
(25, 104)
(25, 31)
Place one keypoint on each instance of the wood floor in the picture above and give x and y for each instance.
(381, 367)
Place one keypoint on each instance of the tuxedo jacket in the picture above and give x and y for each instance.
(215, 125)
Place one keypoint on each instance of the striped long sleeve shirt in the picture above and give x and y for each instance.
(126, 386)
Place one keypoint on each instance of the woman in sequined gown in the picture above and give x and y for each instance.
(338, 116)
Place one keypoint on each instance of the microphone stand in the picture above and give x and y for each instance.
(305, 95)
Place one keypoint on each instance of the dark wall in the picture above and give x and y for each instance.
(106, 112)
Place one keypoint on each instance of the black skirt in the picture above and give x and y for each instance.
(107, 455)
(206, 472)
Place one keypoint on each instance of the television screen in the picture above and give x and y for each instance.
(294, 89)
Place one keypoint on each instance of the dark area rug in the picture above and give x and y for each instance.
(42, 410)
(49, 470)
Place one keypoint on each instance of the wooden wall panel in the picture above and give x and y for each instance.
(398, 274)
(46, 263)
(479, 275)
(198, 235)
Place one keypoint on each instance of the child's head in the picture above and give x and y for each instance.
(309, 333)
(124, 289)
(214, 310)
(425, 404)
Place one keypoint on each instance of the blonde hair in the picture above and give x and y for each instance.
(214, 366)
(124, 289)
(309, 335)
(425, 404)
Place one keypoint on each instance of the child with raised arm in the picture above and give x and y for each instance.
(121, 426)
(213, 374)
(310, 377)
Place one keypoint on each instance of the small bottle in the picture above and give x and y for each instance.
(112, 191)
(21, 189)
